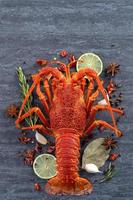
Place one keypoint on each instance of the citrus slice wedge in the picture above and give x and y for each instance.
(90, 60)
(44, 166)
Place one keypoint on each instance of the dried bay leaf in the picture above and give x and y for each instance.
(95, 153)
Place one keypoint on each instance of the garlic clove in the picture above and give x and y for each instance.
(92, 168)
(103, 101)
(40, 138)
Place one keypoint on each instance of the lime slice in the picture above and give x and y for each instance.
(44, 166)
(90, 60)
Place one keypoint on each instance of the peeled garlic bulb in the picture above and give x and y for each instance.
(40, 138)
(103, 101)
(92, 168)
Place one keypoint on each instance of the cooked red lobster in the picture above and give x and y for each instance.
(69, 101)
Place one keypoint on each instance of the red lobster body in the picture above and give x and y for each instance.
(71, 116)
(68, 109)
(68, 120)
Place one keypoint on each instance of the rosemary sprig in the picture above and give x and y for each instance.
(109, 173)
(24, 86)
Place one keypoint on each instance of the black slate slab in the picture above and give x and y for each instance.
(30, 29)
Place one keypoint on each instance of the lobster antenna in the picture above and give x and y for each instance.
(68, 74)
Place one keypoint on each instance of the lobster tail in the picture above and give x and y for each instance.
(80, 186)
(67, 180)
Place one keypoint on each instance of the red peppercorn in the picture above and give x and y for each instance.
(63, 53)
(72, 58)
(51, 149)
(111, 87)
(38, 148)
(62, 68)
(25, 140)
(37, 187)
(41, 62)
(101, 128)
(29, 157)
(113, 156)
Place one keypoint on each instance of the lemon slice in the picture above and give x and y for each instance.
(90, 60)
(44, 166)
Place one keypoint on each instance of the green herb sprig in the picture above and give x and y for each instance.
(24, 86)
(109, 173)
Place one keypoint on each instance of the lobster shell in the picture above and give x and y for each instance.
(67, 181)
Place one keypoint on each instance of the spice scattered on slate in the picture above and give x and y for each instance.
(51, 149)
(112, 69)
(63, 53)
(41, 62)
(111, 87)
(62, 67)
(114, 156)
(38, 148)
(37, 187)
(112, 45)
(29, 78)
(29, 156)
(72, 59)
(12, 111)
(25, 140)
(24, 62)
(101, 128)
(109, 143)
(115, 101)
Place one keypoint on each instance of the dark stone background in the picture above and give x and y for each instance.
(30, 29)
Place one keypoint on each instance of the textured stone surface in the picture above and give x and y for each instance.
(30, 29)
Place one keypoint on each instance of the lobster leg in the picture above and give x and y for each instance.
(29, 113)
(92, 74)
(40, 127)
(103, 123)
(91, 101)
(36, 80)
(102, 107)
(47, 90)
(54, 85)
(83, 83)
(89, 90)
(42, 98)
